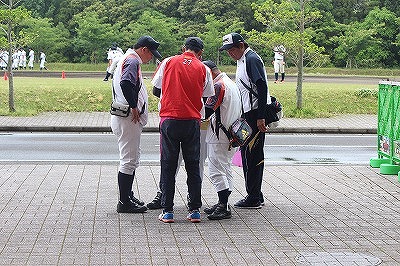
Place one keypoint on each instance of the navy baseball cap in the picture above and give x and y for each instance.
(194, 42)
(229, 40)
(149, 42)
(114, 46)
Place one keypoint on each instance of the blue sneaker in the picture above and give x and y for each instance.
(166, 217)
(194, 216)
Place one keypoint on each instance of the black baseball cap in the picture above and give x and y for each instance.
(149, 42)
(195, 42)
(210, 64)
(229, 40)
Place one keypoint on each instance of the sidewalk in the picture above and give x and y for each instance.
(65, 214)
(100, 122)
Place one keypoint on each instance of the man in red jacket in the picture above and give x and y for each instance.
(183, 80)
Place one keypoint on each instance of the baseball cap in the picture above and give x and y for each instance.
(195, 42)
(210, 64)
(149, 42)
(229, 40)
(114, 46)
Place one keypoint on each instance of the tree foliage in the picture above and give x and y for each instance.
(288, 23)
(86, 28)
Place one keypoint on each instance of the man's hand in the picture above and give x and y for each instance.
(135, 115)
(261, 125)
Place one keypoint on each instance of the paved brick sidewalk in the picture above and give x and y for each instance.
(54, 214)
(100, 121)
(65, 214)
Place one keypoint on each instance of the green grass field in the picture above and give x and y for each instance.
(36, 95)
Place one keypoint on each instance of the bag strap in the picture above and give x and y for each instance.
(248, 88)
(219, 125)
(251, 91)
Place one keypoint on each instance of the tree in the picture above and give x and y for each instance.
(291, 18)
(383, 51)
(149, 24)
(10, 16)
(92, 36)
(371, 42)
(212, 37)
(352, 42)
(44, 36)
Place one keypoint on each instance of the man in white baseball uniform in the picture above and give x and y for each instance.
(279, 62)
(42, 58)
(129, 90)
(15, 60)
(226, 107)
(31, 56)
(22, 59)
(113, 56)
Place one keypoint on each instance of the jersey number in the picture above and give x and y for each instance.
(187, 61)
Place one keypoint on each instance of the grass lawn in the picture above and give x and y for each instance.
(377, 72)
(37, 95)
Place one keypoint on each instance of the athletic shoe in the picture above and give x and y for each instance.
(166, 217)
(246, 203)
(156, 203)
(105, 79)
(276, 81)
(130, 207)
(221, 212)
(282, 81)
(136, 200)
(194, 216)
(211, 209)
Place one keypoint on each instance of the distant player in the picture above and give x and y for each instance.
(42, 58)
(113, 56)
(31, 56)
(279, 62)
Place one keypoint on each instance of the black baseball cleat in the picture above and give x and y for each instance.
(136, 200)
(222, 211)
(130, 207)
(211, 209)
(156, 203)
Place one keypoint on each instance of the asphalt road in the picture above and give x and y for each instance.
(102, 148)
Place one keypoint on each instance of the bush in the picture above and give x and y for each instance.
(365, 93)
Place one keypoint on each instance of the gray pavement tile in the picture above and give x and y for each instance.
(67, 216)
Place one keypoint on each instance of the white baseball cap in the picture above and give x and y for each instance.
(229, 40)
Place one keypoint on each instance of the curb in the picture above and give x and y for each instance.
(155, 129)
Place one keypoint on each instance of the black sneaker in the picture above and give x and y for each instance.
(221, 212)
(156, 203)
(246, 203)
(136, 200)
(130, 207)
(211, 209)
